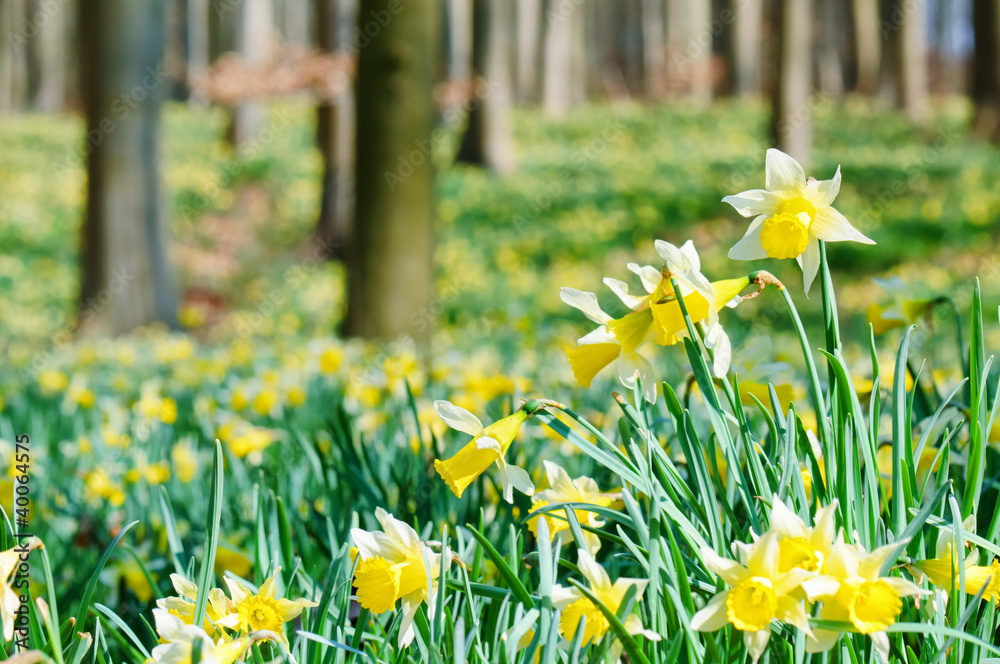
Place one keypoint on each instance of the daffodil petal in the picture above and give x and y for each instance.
(620, 288)
(782, 173)
(458, 418)
(809, 262)
(754, 202)
(713, 616)
(824, 191)
(586, 302)
(749, 248)
(831, 226)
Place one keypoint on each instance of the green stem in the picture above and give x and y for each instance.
(831, 321)
(819, 403)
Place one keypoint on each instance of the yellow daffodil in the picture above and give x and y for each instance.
(758, 593)
(219, 610)
(791, 215)
(562, 489)
(575, 605)
(178, 639)
(943, 571)
(902, 310)
(394, 565)
(489, 445)
(852, 590)
(800, 546)
(264, 610)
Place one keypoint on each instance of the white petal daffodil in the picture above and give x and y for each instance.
(395, 565)
(790, 216)
(488, 445)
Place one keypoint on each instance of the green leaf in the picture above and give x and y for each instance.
(211, 537)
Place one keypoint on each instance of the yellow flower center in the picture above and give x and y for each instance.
(796, 206)
(752, 605)
(597, 624)
(875, 606)
(785, 235)
(797, 552)
(377, 583)
(260, 613)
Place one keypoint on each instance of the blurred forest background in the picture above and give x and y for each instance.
(197, 162)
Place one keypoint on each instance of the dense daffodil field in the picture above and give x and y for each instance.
(715, 467)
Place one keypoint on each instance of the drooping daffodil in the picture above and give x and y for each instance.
(489, 445)
(790, 216)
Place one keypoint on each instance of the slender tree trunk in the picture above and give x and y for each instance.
(334, 124)
(867, 44)
(18, 50)
(49, 48)
(984, 85)
(830, 24)
(297, 19)
(791, 128)
(254, 40)
(460, 40)
(558, 62)
(197, 46)
(746, 46)
(654, 47)
(487, 140)
(700, 36)
(126, 279)
(390, 258)
(528, 37)
(913, 58)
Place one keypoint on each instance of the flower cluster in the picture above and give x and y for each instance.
(791, 566)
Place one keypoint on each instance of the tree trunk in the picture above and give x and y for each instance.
(390, 259)
(700, 36)
(528, 37)
(791, 127)
(487, 140)
(654, 49)
(460, 40)
(125, 280)
(296, 20)
(985, 80)
(254, 40)
(867, 45)
(334, 124)
(49, 45)
(557, 70)
(912, 21)
(746, 46)
(197, 47)
(830, 23)
(18, 37)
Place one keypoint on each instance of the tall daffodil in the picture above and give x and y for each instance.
(791, 215)
(800, 546)
(394, 565)
(852, 590)
(758, 593)
(575, 605)
(264, 610)
(489, 445)
(562, 489)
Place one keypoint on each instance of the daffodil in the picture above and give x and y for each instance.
(852, 590)
(562, 489)
(791, 215)
(219, 610)
(394, 565)
(489, 445)
(575, 605)
(758, 593)
(801, 546)
(178, 639)
(943, 571)
(264, 610)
